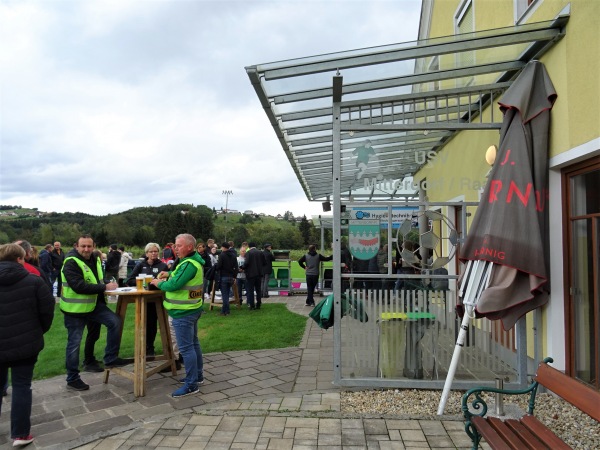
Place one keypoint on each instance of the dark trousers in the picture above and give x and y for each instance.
(226, 283)
(241, 285)
(75, 325)
(151, 326)
(93, 334)
(311, 284)
(253, 284)
(21, 398)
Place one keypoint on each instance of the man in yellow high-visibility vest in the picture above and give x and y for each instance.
(183, 302)
(82, 301)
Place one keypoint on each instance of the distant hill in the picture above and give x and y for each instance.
(161, 224)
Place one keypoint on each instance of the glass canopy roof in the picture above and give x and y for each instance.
(403, 98)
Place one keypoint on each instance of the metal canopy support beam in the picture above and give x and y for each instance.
(466, 42)
(337, 230)
(408, 80)
(395, 111)
(428, 95)
(425, 126)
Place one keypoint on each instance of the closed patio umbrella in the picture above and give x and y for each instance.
(506, 251)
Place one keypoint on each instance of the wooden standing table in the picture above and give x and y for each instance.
(142, 299)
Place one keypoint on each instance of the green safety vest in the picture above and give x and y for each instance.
(189, 297)
(71, 301)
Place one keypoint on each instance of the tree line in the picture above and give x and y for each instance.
(138, 226)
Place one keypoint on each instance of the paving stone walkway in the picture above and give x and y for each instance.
(265, 399)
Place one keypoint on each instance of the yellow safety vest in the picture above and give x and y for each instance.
(71, 301)
(189, 297)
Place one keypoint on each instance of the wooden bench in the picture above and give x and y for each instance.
(527, 432)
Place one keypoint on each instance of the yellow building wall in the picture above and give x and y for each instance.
(460, 168)
(573, 64)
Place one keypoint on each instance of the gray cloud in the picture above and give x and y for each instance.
(108, 105)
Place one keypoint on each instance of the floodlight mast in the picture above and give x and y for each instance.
(227, 193)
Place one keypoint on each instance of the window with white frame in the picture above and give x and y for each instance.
(464, 22)
(522, 7)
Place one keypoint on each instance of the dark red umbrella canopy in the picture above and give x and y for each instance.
(510, 227)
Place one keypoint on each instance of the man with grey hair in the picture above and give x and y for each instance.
(183, 302)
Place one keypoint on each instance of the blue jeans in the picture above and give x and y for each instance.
(186, 334)
(75, 325)
(253, 283)
(20, 413)
(226, 283)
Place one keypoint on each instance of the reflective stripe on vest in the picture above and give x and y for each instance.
(71, 301)
(190, 295)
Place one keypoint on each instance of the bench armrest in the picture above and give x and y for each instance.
(478, 407)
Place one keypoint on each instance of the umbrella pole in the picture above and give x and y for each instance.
(460, 341)
(477, 276)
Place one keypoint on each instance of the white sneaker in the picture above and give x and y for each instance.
(20, 442)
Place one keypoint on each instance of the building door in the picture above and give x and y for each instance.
(581, 185)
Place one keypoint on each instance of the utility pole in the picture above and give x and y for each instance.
(227, 193)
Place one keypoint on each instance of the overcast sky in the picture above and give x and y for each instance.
(112, 104)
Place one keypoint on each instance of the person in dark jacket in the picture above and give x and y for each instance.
(58, 258)
(46, 261)
(26, 313)
(83, 301)
(311, 263)
(150, 265)
(267, 269)
(90, 363)
(112, 263)
(227, 266)
(254, 271)
(206, 268)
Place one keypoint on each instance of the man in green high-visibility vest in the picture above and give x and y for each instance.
(81, 301)
(183, 302)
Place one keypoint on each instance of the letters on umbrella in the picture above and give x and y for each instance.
(510, 228)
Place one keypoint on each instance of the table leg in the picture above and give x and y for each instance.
(121, 311)
(139, 367)
(140, 373)
(212, 295)
(165, 336)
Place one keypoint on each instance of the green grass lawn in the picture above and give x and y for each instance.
(274, 326)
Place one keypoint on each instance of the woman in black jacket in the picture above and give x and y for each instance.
(26, 313)
(150, 265)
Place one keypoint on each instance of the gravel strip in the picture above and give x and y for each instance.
(574, 427)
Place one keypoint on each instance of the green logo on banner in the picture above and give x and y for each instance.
(364, 238)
